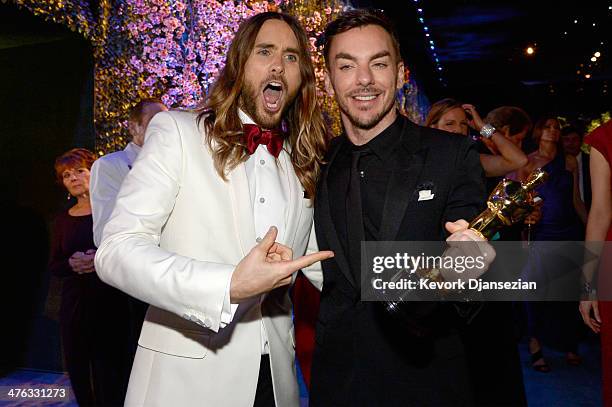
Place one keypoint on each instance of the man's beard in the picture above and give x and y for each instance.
(365, 124)
(248, 103)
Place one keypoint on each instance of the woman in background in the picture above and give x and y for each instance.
(92, 323)
(598, 314)
(452, 116)
(562, 211)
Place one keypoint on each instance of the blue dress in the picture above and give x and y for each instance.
(559, 218)
(556, 321)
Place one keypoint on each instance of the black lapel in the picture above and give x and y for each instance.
(326, 223)
(407, 164)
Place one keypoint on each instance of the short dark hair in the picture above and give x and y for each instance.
(514, 117)
(356, 18)
(567, 130)
(138, 111)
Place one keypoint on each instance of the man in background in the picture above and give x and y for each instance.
(572, 141)
(108, 172)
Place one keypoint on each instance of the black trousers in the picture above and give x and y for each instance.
(95, 331)
(95, 358)
(264, 397)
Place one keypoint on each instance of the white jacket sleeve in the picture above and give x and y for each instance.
(129, 256)
(104, 184)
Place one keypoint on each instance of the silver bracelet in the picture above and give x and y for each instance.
(487, 131)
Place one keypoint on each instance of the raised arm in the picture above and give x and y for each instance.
(510, 157)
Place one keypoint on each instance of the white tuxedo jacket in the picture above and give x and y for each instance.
(173, 240)
(107, 175)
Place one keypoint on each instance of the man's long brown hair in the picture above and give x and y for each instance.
(307, 134)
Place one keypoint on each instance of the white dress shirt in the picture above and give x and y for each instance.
(269, 191)
(107, 174)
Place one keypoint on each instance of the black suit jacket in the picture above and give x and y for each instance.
(363, 356)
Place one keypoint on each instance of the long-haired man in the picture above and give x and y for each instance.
(206, 224)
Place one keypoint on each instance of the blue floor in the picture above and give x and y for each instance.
(564, 386)
(36, 379)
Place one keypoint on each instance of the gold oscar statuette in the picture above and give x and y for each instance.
(509, 203)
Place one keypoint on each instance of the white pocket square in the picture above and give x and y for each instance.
(425, 195)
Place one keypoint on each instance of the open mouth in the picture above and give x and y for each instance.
(272, 94)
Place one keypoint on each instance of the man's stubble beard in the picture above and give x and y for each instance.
(370, 123)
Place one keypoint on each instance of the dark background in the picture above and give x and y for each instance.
(481, 47)
(46, 108)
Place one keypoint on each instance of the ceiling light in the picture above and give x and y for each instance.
(529, 50)
(588, 76)
(593, 59)
(597, 54)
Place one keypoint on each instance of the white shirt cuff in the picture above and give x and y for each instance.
(229, 309)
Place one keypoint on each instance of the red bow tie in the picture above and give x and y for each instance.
(254, 136)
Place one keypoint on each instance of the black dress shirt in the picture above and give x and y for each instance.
(375, 174)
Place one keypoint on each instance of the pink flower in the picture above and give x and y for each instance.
(171, 23)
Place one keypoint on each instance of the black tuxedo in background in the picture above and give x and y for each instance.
(363, 356)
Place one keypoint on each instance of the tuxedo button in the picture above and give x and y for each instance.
(258, 239)
(262, 162)
(361, 174)
(262, 200)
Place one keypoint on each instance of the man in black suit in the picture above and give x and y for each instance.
(572, 141)
(386, 179)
